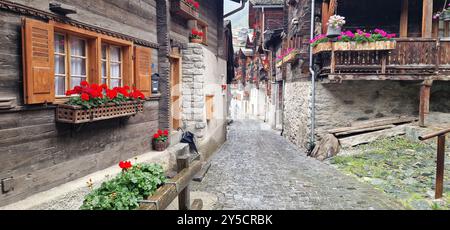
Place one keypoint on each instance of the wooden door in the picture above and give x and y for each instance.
(175, 85)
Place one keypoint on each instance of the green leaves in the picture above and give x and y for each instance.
(124, 191)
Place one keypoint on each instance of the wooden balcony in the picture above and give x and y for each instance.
(412, 59)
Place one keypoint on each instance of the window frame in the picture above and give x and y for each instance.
(109, 61)
(93, 48)
(67, 61)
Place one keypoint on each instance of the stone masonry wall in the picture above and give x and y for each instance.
(338, 105)
(193, 93)
(297, 112)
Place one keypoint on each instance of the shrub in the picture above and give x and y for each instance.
(124, 192)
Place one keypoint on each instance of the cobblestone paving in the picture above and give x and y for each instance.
(258, 169)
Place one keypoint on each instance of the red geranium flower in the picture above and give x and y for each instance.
(111, 94)
(166, 132)
(196, 5)
(156, 136)
(84, 97)
(104, 86)
(77, 90)
(84, 84)
(125, 165)
(160, 132)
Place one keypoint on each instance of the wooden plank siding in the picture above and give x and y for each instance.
(40, 153)
(209, 14)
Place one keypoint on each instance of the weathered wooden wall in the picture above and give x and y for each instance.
(39, 153)
(211, 12)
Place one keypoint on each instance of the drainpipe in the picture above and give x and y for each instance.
(243, 2)
(313, 80)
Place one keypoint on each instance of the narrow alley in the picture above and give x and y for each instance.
(258, 169)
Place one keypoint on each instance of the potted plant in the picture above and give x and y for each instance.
(161, 140)
(196, 36)
(335, 24)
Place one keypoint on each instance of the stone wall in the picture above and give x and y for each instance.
(203, 74)
(297, 112)
(338, 105)
(193, 94)
(440, 97)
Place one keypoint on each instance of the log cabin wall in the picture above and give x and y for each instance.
(209, 11)
(39, 153)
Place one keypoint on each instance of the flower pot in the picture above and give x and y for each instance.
(160, 145)
(196, 40)
(334, 32)
(445, 16)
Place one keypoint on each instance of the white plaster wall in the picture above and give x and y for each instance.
(215, 76)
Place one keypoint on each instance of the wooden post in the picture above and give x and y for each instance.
(424, 108)
(447, 29)
(427, 18)
(440, 167)
(333, 59)
(184, 201)
(404, 19)
(325, 16)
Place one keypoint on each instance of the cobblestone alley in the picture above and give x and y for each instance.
(258, 169)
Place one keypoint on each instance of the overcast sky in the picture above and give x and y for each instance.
(239, 19)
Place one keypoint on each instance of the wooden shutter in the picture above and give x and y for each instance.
(38, 62)
(209, 107)
(143, 69)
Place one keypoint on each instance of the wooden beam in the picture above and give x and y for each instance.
(427, 18)
(332, 7)
(325, 16)
(404, 19)
(424, 108)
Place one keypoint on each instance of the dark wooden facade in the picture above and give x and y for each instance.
(38, 153)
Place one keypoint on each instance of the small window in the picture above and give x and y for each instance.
(112, 73)
(73, 50)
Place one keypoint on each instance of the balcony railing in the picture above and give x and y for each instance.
(412, 59)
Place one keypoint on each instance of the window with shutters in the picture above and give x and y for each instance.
(58, 57)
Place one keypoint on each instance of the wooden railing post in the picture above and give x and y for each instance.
(440, 167)
(184, 201)
(440, 160)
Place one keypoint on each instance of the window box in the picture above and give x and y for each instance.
(77, 114)
(291, 56)
(184, 10)
(354, 46)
